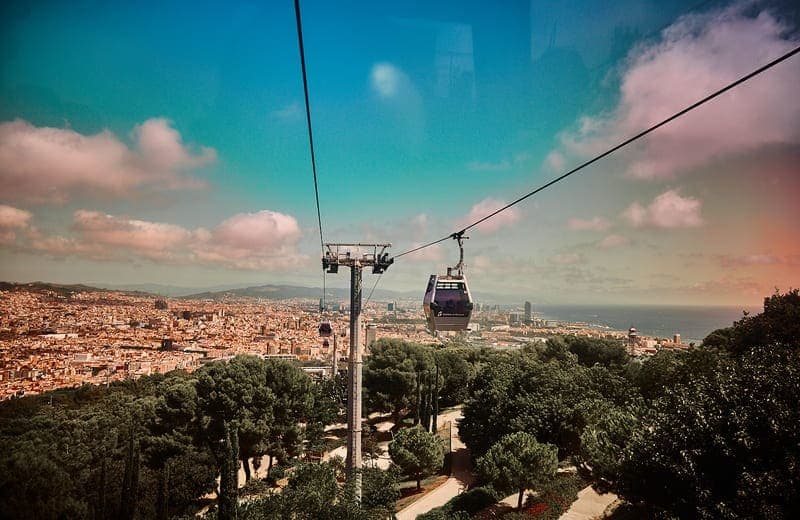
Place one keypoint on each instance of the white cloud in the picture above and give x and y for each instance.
(566, 259)
(668, 210)
(42, 164)
(433, 253)
(259, 240)
(265, 240)
(478, 166)
(592, 224)
(484, 208)
(290, 112)
(697, 55)
(12, 220)
(555, 161)
(758, 259)
(387, 80)
(154, 240)
(613, 241)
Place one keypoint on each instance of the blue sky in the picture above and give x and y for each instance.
(166, 142)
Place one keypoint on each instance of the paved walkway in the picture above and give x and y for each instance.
(460, 476)
(589, 505)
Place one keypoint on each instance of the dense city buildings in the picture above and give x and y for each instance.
(60, 338)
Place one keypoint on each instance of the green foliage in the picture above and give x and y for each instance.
(392, 375)
(518, 462)
(150, 448)
(379, 488)
(465, 505)
(417, 452)
(541, 392)
(719, 425)
(592, 351)
(456, 375)
(312, 493)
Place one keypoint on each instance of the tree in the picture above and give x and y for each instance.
(724, 431)
(417, 452)
(393, 376)
(520, 392)
(592, 351)
(518, 462)
(380, 488)
(229, 393)
(456, 375)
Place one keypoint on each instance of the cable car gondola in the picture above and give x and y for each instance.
(447, 302)
(325, 329)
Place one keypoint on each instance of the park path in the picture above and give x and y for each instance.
(589, 505)
(460, 475)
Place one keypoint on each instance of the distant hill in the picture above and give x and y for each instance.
(171, 291)
(285, 292)
(62, 289)
(269, 292)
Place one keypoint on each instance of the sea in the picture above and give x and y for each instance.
(693, 323)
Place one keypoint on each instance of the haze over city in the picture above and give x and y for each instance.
(168, 145)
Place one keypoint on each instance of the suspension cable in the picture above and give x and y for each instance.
(310, 138)
(612, 150)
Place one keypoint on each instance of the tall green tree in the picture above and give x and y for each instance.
(393, 377)
(518, 462)
(723, 433)
(417, 452)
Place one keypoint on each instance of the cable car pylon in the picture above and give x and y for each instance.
(378, 259)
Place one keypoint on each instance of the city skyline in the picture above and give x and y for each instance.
(168, 145)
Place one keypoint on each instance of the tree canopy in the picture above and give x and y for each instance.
(518, 462)
(417, 452)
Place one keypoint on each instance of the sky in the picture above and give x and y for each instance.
(166, 143)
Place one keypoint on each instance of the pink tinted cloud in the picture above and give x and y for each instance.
(261, 240)
(12, 220)
(154, 240)
(592, 224)
(54, 165)
(265, 240)
(758, 259)
(566, 259)
(613, 241)
(484, 208)
(668, 210)
(433, 253)
(697, 55)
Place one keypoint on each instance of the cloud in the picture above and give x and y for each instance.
(387, 80)
(668, 210)
(290, 112)
(555, 161)
(613, 241)
(433, 253)
(12, 220)
(153, 240)
(697, 55)
(478, 166)
(265, 240)
(566, 259)
(485, 207)
(593, 224)
(757, 259)
(54, 165)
